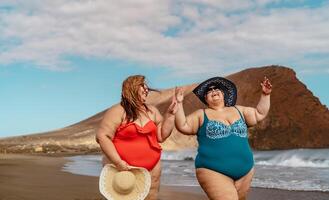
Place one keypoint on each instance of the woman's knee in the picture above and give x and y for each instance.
(154, 189)
(153, 195)
(243, 189)
(155, 182)
(156, 174)
(243, 192)
(228, 196)
(217, 186)
(243, 185)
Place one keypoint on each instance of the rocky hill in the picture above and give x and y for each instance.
(296, 119)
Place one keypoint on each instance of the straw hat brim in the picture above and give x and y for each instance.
(140, 191)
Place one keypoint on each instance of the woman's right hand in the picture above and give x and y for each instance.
(179, 93)
(172, 109)
(122, 166)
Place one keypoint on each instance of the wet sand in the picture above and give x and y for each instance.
(29, 177)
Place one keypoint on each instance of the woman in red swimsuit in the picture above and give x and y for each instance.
(130, 132)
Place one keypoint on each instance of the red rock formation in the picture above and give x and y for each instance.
(296, 119)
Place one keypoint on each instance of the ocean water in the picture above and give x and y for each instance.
(298, 169)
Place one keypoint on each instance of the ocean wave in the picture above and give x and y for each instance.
(317, 158)
(304, 170)
(185, 154)
(293, 185)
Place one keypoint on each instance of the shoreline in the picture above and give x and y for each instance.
(34, 177)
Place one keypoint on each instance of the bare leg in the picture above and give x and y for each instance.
(243, 184)
(216, 185)
(155, 182)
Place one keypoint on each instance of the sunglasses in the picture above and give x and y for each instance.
(146, 87)
(212, 89)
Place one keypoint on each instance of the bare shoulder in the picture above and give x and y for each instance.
(244, 109)
(113, 117)
(240, 107)
(113, 112)
(196, 119)
(197, 114)
(152, 108)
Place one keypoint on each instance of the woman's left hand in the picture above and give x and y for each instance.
(266, 86)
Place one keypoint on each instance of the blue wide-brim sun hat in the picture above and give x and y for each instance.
(225, 85)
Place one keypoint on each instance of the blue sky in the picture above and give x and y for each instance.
(63, 61)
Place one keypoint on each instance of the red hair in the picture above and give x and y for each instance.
(130, 99)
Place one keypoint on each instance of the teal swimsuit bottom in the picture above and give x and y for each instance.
(224, 148)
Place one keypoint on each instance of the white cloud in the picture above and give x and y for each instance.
(223, 5)
(210, 38)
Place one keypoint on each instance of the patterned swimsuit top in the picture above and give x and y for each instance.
(216, 129)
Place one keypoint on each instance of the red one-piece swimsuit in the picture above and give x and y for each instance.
(137, 145)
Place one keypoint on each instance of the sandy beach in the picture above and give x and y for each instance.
(30, 177)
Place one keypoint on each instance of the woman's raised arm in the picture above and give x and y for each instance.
(187, 125)
(255, 115)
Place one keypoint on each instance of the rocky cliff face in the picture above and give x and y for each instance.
(296, 119)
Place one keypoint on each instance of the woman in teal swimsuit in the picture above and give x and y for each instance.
(224, 163)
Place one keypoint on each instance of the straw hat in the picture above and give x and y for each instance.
(225, 85)
(125, 185)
